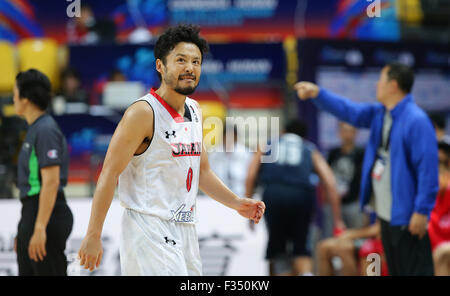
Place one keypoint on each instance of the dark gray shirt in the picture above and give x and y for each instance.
(44, 146)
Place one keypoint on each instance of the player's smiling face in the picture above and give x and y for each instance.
(182, 69)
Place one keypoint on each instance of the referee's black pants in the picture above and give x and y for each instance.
(58, 230)
(406, 254)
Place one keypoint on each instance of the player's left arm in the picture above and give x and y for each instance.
(211, 185)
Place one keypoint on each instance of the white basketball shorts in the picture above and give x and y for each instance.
(151, 246)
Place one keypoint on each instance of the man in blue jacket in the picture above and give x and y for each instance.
(400, 168)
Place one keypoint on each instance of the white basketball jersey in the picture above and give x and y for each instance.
(163, 180)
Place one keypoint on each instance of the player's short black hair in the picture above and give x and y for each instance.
(35, 86)
(403, 74)
(174, 35)
(298, 127)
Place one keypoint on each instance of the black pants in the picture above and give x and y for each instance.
(58, 230)
(405, 253)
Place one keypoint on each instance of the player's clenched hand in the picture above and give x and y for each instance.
(90, 253)
(306, 90)
(251, 209)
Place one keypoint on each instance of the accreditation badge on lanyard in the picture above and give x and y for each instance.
(378, 168)
(383, 151)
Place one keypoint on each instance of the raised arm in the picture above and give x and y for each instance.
(357, 114)
(135, 126)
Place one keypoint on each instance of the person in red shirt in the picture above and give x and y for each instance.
(439, 225)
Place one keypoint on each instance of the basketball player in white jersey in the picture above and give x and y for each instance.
(157, 156)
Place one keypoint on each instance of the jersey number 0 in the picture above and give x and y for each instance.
(189, 179)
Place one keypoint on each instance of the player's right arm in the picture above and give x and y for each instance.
(135, 125)
(327, 178)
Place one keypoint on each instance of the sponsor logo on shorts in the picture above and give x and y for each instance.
(183, 216)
